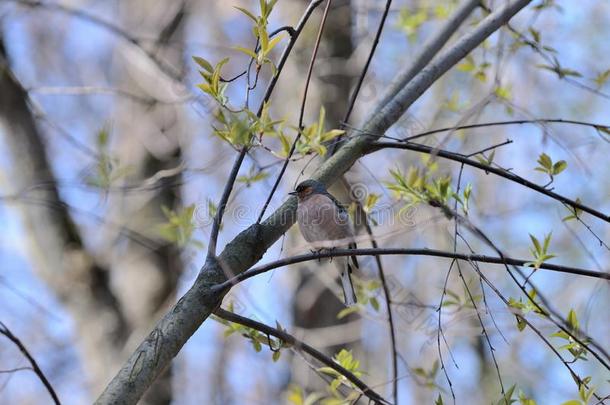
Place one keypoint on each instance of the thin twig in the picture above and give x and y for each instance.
(4, 330)
(352, 101)
(244, 150)
(388, 301)
(575, 376)
(301, 115)
(223, 202)
(575, 333)
(508, 122)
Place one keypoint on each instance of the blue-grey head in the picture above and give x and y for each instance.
(307, 188)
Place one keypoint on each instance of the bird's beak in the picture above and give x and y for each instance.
(293, 193)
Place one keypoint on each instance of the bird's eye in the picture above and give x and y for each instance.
(299, 189)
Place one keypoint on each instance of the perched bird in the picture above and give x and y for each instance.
(325, 224)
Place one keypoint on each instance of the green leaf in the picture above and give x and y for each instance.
(329, 371)
(204, 63)
(247, 51)
(560, 71)
(559, 167)
(547, 241)
(467, 65)
(535, 34)
(346, 311)
(247, 13)
(536, 243)
(374, 303)
(276, 355)
(545, 161)
(573, 320)
(370, 201)
(603, 129)
(521, 324)
(508, 396)
(102, 138)
(561, 334)
(274, 42)
(602, 78)
(252, 177)
(503, 92)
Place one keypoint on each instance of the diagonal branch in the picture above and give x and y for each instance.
(304, 347)
(491, 169)
(4, 330)
(429, 50)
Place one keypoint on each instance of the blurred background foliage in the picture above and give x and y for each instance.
(139, 154)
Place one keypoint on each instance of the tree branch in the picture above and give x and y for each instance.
(509, 122)
(491, 169)
(4, 330)
(304, 347)
(428, 51)
(405, 251)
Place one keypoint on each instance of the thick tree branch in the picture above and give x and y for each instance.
(178, 325)
(428, 51)
(304, 347)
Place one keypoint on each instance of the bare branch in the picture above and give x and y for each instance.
(4, 330)
(405, 251)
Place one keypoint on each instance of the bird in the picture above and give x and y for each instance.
(325, 224)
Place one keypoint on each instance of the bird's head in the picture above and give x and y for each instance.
(307, 188)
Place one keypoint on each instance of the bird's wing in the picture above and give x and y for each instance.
(337, 203)
(344, 216)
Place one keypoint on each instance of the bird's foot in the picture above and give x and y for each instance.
(317, 252)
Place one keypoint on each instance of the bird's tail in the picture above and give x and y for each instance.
(348, 287)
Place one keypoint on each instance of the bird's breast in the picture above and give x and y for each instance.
(320, 219)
